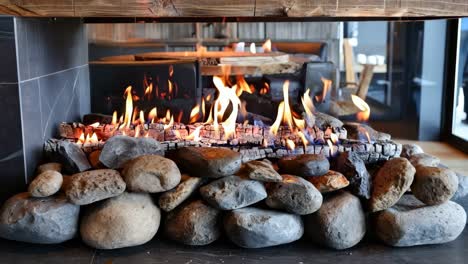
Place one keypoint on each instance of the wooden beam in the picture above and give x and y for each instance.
(231, 8)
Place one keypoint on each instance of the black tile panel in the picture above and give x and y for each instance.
(8, 72)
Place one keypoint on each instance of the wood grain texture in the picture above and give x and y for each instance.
(239, 8)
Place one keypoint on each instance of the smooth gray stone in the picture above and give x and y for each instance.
(294, 195)
(258, 228)
(339, 224)
(323, 120)
(120, 149)
(409, 150)
(305, 165)
(411, 223)
(194, 224)
(233, 192)
(48, 220)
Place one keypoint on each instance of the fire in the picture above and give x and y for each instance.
(334, 138)
(303, 138)
(128, 107)
(308, 105)
(265, 88)
(142, 117)
(168, 115)
(326, 87)
(290, 144)
(81, 139)
(93, 139)
(194, 114)
(114, 118)
(364, 114)
(152, 115)
(333, 149)
(267, 46)
(195, 135)
(243, 86)
(279, 117)
(95, 125)
(149, 91)
(171, 123)
(253, 49)
(137, 131)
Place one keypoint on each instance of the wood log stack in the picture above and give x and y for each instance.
(253, 142)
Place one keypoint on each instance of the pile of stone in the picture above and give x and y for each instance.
(131, 188)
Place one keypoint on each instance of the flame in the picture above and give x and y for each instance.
(368, 137)
(114, 118)
(279, 116)
(326, 87)
(177, 134)
(243, 86)
(305, 142)
(94, 139)
(308, 105)
(227, 96)
(332, 147)
(152, 115)
(168, 115)
(95, 125)
(265, 89)
(195, 135)
(81, 139)
(334, 138)
(128, 107)
(194, 114)
(290, 144)
(169, 88)
(364, 115)
(137, 131)
(253, 49)
(287, 117)
(267, 46)
(171, 123)
(203, 106)
(149, 91)
(142, 117)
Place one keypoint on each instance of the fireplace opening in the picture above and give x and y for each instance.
(260, 133)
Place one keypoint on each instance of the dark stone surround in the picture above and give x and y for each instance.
(44, 81)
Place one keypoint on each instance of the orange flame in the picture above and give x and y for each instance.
(332, 147)
(265, 88)
(267, 46)
(243, 86)
(195, 135)
(194, 114)
(308, 105)
(326, 87)
(149, 91)
(137, 131)
(168, 115)
(290, 144)
(114, 118)
(128, 107)
(95, 125)
(152, 115)
(287, 117)
(142, 117)
(305, 142)
(279, 117)
(81, 139)
(364, 114)
(171, 123)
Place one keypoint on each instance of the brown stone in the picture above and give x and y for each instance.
(261, 170)
(305, 165)
(423, 159)
(173, 198)
(46, 184)
(151, 173)
(433, 185)
(329, 182)
(390, 183)
(54, 166)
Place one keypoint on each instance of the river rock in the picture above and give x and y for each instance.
(53, 166)
(67, 153)
(323, 121)
(305, 165)
(120, 149)
(151, 173)
(433, 185)
(92, 186)
(127, 220)
(261, 170)
(173, 198)
(47, 220)
(423, 159)
(390, 183)
(411, 223)
(194, 224)
(207, 161)
(331, 181)
(409, 150)
(354, 169)
(46, 184)
(233, 192)
(339, 224)
(295, 195)
(259, 228)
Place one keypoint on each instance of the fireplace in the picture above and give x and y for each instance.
(251, 131)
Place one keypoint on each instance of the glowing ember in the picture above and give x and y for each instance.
(364, 115)
(267, 46)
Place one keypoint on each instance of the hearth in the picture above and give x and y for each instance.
(253, 131)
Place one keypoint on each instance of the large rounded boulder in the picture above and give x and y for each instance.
(47, 220)
(433, 185)
(130, 219)
(258, 228)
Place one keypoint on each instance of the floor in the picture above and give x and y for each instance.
(163, 251)
(158, 251)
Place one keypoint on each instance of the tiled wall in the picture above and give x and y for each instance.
(44, 80)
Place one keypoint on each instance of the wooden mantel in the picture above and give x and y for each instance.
(235, 8)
